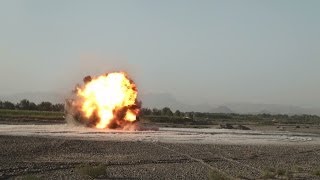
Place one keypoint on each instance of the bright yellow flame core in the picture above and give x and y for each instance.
(130, 116)
(106, 95)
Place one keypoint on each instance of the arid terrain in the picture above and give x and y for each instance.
(61, 151)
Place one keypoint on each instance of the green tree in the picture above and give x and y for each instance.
(24, 104)
(156, 112)
(146, 111)
(8, 105)
(166, 112)
(190, 115)
(45, 106)
(58, 107)
(32, 106)
(177, 113)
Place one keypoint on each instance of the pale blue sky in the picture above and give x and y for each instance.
(199, 51)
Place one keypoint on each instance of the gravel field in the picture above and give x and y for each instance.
(61, 151)
(60, 158)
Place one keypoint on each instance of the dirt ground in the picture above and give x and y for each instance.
(60, 158)
(49, 150)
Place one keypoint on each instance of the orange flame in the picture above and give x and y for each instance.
(109, 100)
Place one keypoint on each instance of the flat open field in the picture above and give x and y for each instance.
(61, 151)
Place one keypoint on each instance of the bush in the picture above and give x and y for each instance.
(272, 173)
(30, 177)
(317, 172)
(281, 172)
(268, 175)
(216, 175)
(92, 171)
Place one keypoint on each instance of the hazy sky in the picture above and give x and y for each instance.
(199, 51)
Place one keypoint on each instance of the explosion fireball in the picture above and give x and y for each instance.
(107, 101)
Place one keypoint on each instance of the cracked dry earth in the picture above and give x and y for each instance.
(58, 158)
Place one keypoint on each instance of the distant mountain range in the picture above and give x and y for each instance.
(160, 100)
(222, 109)
(252, 108)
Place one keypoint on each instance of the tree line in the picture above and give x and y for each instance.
(166, 111)
(27, 105)
(167, 115)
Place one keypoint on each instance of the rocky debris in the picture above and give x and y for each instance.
(242, 127)
(226, 126)
(230, 126)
